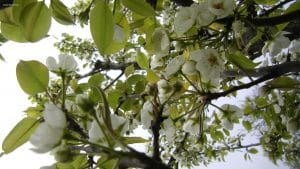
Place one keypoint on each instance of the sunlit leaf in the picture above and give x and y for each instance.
(253, 151)
(247, 125)
(105, 162)
(12, 32)
(102, 26)
(35, 21)
(18, 7)
(241, 61)
(19, 134)
(139, 6)
(284, 82)
(142, 60)
(33, 76)
(134, 140)
(152, 77)
(61, 13)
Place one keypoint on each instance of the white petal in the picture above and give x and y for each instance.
(67, 62)
(174, 65)
(119, 34)
(95, 133)
(292, 125)
(189, 68)
(191, 127)
(227, 124)
(221, 8)
(204, 16)
(45, 138)
(161, 42)
(156, 61)
(118, 121)
(146, 114)
(51, 63)
(184, 20)
(54, 116)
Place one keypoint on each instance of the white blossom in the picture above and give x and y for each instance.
(96, 134)
(277, 108)
(294, 49)
(184, 20)
(209, 64)
(174, 65)
(119, 34)
(161, 42)
(192, 127)
(156, 61)
(49, 132)
(168, 128)
(189, 68)
(147, 114)
(276, 46)
(203, 16)
(54, 116)
(164, 90)
(227, 124)
(45, 137)
(65, 63)
(292, 125)
(221, 8)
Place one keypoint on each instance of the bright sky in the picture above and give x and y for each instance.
(13, 102)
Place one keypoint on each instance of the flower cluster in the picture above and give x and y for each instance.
(49, 133)
(201, 14)
(147, 114)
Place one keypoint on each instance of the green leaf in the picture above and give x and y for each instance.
(129, 70)
(142, 60)
(152, 77)
(253, 151)
(284, 83)
(106, 162)
(19, 134)
(139, 6)
(102, 26)
(18, 7)
(33, 76)
(134, 140)
(35, 21)
(96, 79)
(241, 61)
(6, 15)
(247, 125)
(12, 32)
(64, 166)
(61, 13)
(113, 98)
(120, 35)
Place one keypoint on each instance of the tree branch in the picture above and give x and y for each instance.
(283, 68)
(280, 4)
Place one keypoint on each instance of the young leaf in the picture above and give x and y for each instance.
(142, 60)
(241, 61)
(35, 21)
(12, 32)
(247, 125)
(139, 6)
(152, 77)
(134, 140)
(253, 151)
(106, 162)
(61, 13)
(18, 7)
(284, 83)
(19, 134)
(33, 76)
(102, 26)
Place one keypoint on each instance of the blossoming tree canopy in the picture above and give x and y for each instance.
(172, 60)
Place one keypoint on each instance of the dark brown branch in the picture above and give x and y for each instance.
(133, 159)
(266, 13)
(276, 20)
(112, 82)
(288, 67)
(212, 96)
(74, 126)
(183, 2)
(155, 127)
